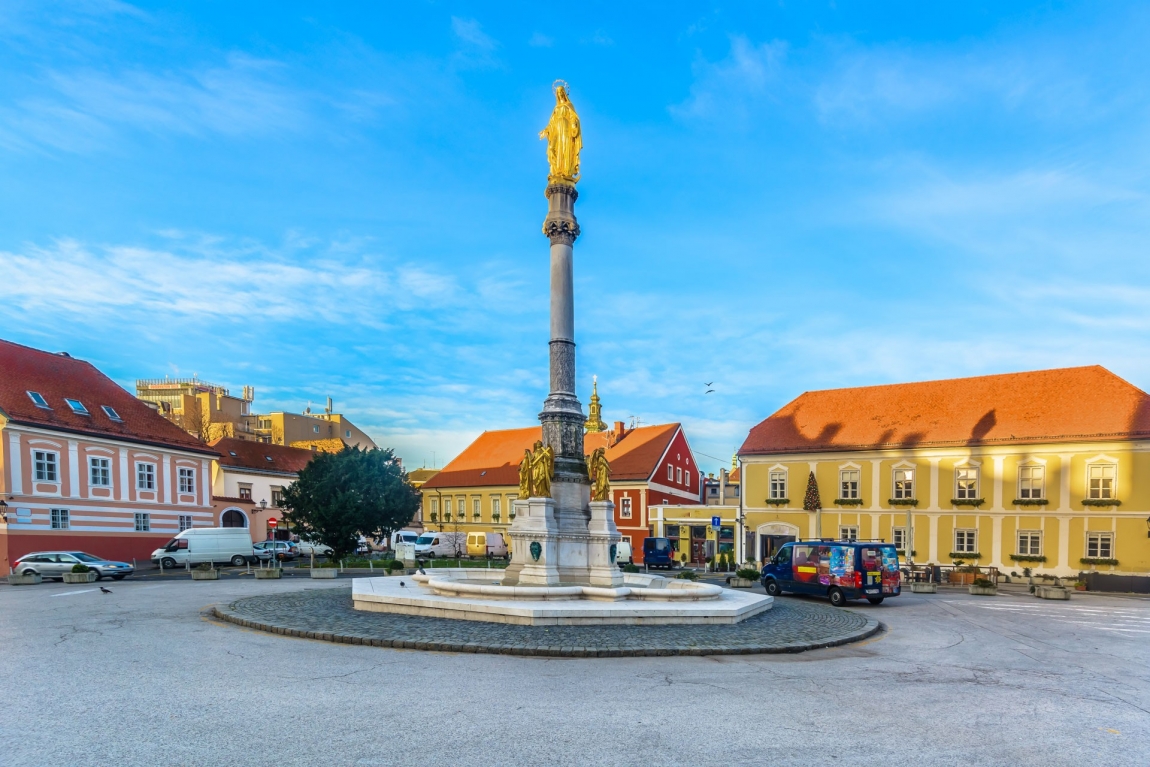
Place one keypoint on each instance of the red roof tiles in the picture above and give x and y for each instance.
(493, 458)
(1086, 403)
(244, 454)
(56, 376)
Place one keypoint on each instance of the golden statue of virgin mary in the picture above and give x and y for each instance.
(564, 139)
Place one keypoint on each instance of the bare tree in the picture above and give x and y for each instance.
(197, 421)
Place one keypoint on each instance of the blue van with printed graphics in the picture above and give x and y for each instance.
(840, 570)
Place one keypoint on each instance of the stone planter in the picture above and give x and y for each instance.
(324, 572)
(741, 583)
(24, 580)
(1051, 592)
(923, 588)
(88, 577)
(206, 575)
(983, 591)
(268, 572)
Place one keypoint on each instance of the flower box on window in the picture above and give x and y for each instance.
(976, 502)
(1028, 557)
(965, 555)
(1101, 502)
(778, 501)
(849, 501)
(903, 501)
(1031, 501)
(1098, 561)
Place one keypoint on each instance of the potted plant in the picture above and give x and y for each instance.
(81, 573)
(983, 587)
(683, 559)
(745, 577)
(205, 572)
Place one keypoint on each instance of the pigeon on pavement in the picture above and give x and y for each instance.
(402, 584)
(106, 591)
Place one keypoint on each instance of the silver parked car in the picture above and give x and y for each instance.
(53, 564)
(308, 547)
(283, 550)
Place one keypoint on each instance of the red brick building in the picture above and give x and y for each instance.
(85, 465)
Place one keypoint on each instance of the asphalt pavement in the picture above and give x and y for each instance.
(142, 676)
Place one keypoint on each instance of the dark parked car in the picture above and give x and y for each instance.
(53, 564)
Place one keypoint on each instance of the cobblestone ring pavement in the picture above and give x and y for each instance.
(327, 614)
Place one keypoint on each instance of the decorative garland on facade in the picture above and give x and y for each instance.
(965, 555)
(1098, 561)
(1101, 502)
(778, 501)
(849, 501)
(1031, 501)
(976, 502)
(903, 501)
(1028, 557)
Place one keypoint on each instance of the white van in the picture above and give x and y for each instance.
(403, 536)
(623, 552)
(441, 545)
(218, 545)
(486, 545)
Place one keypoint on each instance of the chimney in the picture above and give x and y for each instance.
(620, 431)
(722, 487)
(328, 410)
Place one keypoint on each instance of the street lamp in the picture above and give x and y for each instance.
(4, 511)
(263, 505)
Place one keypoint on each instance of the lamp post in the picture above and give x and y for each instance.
(3, 510)
(263, 507)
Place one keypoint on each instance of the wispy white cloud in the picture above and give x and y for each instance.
(476, 47)
(745, 77)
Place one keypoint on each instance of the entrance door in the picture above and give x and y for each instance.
(698, 544)
(769, 544)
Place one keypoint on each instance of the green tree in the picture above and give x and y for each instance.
(340, 496)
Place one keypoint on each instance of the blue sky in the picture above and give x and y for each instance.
(346, 201)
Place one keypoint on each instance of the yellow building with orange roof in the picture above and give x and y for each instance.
(1048, 470)
(650, 465)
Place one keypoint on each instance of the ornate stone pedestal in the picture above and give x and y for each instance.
(535, 544)
(604, 538)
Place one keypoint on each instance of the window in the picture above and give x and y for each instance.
(670, 473)
(495, 507)
(447, 508)
(848, 533)
(625, 508)
(778, 485)
(245, 492)
(1029, 543)
(112, 414)
(187, 480)
(904, 483)
(46, 464)
(100, 472)
(1101, 481)
(898, 537)
(679, 475)
(59, 519)
(966, 482)
(687, 478)
(77, 406)
(849, 482)
(347, 434)
(965, 541)
(315, 429)
(277, 497)
(476, 509)
(143, 522)
(1031, 482)
(1100, 545)
(38, 400)
(146, 476)
(435, 506)
(185, 522)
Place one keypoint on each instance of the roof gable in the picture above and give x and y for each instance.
(56, 377)
(1086, 403)
(493, 458)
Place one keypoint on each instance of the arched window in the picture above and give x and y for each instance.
(233, 518)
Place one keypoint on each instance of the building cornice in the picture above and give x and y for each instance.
(20, 426)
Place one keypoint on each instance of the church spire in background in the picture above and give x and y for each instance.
(594, 422)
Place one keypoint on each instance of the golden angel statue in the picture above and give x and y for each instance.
(525, 475)
(542, 469)
(599, 472)
(564, 139)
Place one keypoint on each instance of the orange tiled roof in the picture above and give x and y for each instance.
(1086, 403)
(493, 458)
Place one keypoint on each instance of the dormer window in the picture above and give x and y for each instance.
(77, 406)
(112, 414)
(38, 399)
(268, 457)
(232, 453)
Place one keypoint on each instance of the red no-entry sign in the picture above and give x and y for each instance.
(273, 522)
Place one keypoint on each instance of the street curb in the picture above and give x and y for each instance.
(871, 628)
